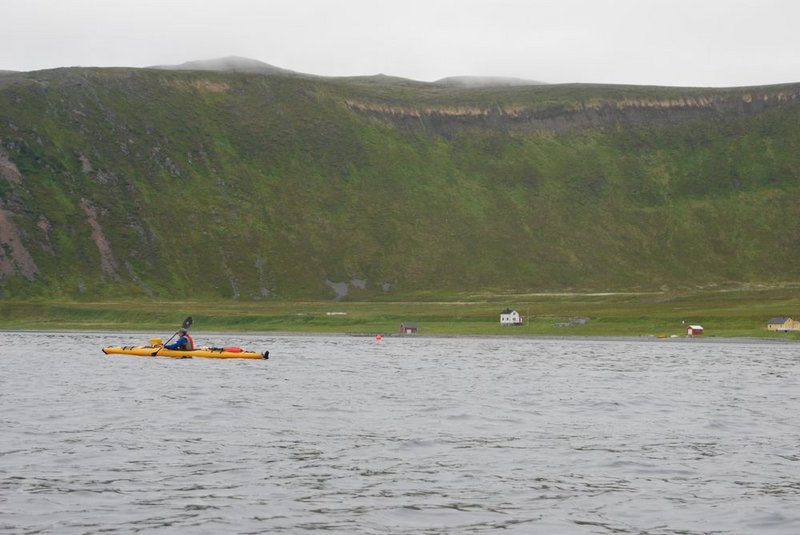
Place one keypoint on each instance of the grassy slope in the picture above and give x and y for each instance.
(247, 186)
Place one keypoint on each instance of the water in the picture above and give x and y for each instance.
(403, 435)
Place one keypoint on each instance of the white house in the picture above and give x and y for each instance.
(510, 317)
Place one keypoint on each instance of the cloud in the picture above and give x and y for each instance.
(675, 42)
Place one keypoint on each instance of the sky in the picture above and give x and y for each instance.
(695, 43)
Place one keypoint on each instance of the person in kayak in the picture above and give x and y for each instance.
(184, 343)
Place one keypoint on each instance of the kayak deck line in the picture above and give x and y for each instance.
(202, 352)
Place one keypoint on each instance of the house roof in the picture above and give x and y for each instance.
(508, 311)
(409, 324)
(696, 327)
(780, 320)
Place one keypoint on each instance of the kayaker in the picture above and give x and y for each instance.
(184, 343)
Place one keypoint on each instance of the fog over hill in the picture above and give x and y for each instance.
(240, 64)
(485, 81)
(227, 64)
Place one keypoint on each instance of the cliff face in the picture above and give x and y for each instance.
(152, 183)
(593, 112)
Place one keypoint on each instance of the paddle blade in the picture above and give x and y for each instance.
(187, 323)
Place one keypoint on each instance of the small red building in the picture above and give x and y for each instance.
(694, 330)
(408, 328)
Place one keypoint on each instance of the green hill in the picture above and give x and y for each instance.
(126, 182)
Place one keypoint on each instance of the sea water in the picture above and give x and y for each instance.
(344, 434)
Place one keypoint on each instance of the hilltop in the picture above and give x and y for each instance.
(485, 81)
(250, 182)
(227, 64)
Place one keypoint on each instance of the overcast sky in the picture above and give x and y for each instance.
(719, 43)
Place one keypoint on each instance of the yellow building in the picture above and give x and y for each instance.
(782, 324)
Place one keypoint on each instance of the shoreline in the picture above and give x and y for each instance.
(395, 336)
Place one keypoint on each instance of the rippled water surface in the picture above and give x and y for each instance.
(403, 435)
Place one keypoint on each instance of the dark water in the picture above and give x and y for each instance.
(403, 435)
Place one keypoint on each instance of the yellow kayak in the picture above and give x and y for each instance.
(203, 352)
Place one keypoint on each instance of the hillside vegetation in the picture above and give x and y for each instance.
(159, 183)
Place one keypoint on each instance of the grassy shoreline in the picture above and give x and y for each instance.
(723, 313)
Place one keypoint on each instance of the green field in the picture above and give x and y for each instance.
(741, 312)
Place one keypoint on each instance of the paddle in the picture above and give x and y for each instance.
(186, 324)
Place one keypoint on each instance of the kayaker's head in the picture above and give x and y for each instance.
(182, 330)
